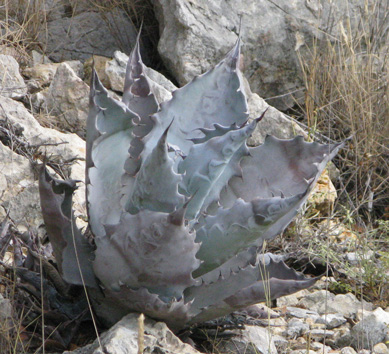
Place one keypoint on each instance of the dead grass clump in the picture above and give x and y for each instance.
(347, 95)
(21, 23)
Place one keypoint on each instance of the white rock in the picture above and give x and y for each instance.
(324, 302)
(296, 328)
(250, 340)
(291, 300)
(68, 99)
(302, 351)
(20, 196)
(21, 193)
(371, 329)
(45, 72)
(39, 58)
(122, 338)
(321, 334)
(331, 320)
(355, 258)
(301, 313)
(11, 82)
(116, 70)
(348, 350)
(195, 35)
(380, 348)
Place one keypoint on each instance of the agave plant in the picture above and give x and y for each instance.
(179, 206)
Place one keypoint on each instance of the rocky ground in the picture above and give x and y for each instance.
(43, 110)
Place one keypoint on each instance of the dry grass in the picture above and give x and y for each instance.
(21, 23)
(347, 95)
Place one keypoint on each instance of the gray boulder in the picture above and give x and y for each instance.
(87, 33)
(196, 35)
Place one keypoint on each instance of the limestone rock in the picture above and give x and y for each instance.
(371, 329)
(43, 74)
(196, 34)
(250, 340)
(291, 300)
(331, 320)
(325, 302)
(87, 33)
(273, 123)
(380, 348)
(11, 82)
(99, 62)
(68, 98)
(296, 328)
(122, 338)
(19, 187)
(348, 350)
(22, 193)
(323, 196)
(39, 58)
(300, 313)
(115, 70)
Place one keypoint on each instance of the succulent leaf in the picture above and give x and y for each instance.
(150, 250)
(156, 191)
(210, 165)
(139, 97)
(215, 97)
(299, 164)
(69, 245)
(109, 134)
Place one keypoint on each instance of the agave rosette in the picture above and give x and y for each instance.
(178, 204)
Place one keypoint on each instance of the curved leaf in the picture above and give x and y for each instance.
(69, 246)
(149, 249)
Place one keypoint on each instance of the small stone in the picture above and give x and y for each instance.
(43, 74)
(302, 351)
(280, 342)
(115, 70)
(331, 320)
(364, 351)
(299, 343)
(320, 347)
(296, 328)
(380, 348)
(289, 300)
(319, 334)
(300, 313)
(348, 350)
(123, 338)
(355, 258)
